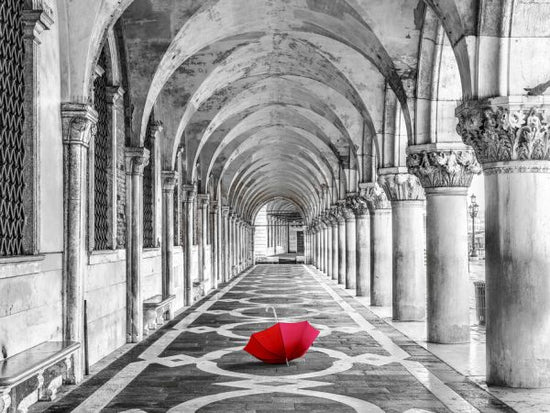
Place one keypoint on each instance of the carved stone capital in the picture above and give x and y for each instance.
(156, 128)
(401, 186)
(137, 158)
(204, 200)
(226, 211)
(114, 94)
(374, 195)
(358, 205)
(188, 193)
(506, 128)
(37, 16)
(79, 123)
(169, 180)
(440, 166)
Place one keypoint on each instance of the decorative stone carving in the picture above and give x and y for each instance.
(443, 167)
(358, 205)
(502, 131)
(79, 123)
(169, 180)
(375, 196)
(401, 187)
(137, 158)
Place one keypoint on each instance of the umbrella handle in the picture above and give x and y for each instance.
(274, 312)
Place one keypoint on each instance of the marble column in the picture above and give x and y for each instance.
(214, 244)
(78, 129)
(408, 237)
(232, 244)
(381, 246)
(225, 245)
(334, 231)
(169, 181)
(363, 246)
(322, 244)
(341, 244)
(202, 241)
(188, 197)
(445, 171)
(136, 160)
(510, 137)
(351, 243)
(329, 245)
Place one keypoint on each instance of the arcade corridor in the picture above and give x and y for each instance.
(359, 362)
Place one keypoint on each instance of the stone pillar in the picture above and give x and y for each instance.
(445, 171)
(204, 201)
(169, 181)
(351, 242)
(214, 243)
(363, 246)
(409, 272)
(322, 246)
(341, 244)
(231, 244)
(510, 137)
(381, 245)
(78, 128)
(334, 231)
(329, 246)
(188, 197)
(225, 245)
(136, 160)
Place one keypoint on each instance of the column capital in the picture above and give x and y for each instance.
(169, 180)
(443, 165)
(114, 94)
(374, 195)
(137, 158)
(508, 129)
(400, 185)
(214, 207)
(37, 16)
(189, 193)
(79, 123)
(357, 205)
(156, 127)
(226, 211)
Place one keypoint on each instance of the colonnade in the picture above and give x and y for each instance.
(277, 234)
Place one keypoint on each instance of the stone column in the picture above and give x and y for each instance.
(214, 244)
(203, 238)
(510, 137)
(322, 246)
(329, 245)
(445, 171)
(409, 272)
(188, 197)
(381, 246)
(225, 245)
(341, 244)
(334, 231)
(78, 128)
(136, 160)
(351, 242)
(363, 246)
(169, 181)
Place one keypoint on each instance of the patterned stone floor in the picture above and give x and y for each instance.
(358, 363)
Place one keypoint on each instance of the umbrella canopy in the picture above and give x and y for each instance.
(282, 342)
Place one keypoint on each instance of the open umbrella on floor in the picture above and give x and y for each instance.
(282, 342)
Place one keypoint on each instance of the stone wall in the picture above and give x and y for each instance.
(105, 294)
(152, 273)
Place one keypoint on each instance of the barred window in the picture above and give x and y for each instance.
(12, 142)
(102, 162)
(148, 191)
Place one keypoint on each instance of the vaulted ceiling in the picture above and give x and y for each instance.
(273, 99)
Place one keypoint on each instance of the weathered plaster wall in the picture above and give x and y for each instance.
(105, 293)
(30, 296)
(151, 273)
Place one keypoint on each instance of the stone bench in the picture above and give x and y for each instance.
(156, 311)
(35, 374)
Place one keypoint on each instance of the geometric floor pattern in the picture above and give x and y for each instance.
(359, 363)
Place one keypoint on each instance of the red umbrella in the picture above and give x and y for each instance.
(282, 342)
